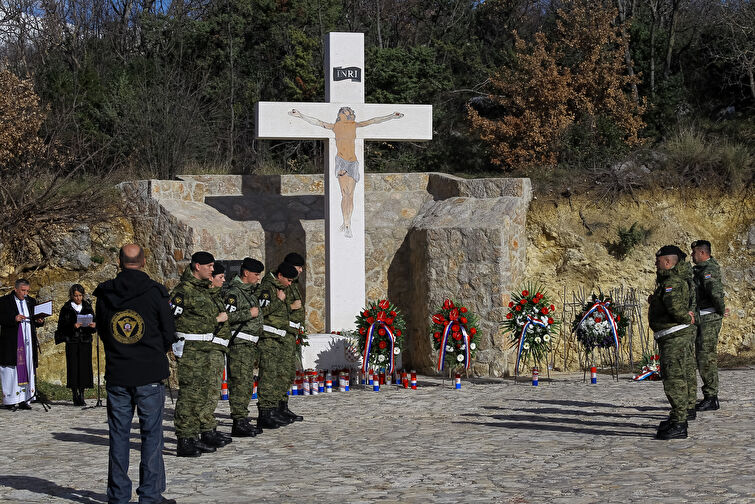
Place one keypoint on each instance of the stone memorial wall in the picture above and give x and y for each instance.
(428, 236)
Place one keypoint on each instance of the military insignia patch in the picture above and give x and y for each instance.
(265, 298)
(127, 327)
(669, 289)
(707, 276)
(231, 300)
(176, 304)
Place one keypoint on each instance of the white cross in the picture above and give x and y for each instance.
(345, 121)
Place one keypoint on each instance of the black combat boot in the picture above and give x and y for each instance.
(203, 447)
(214, 438)
(266, 420)
(187, 448)
(674, 430)
(708, 404)
(242, 428)
(283, 409)
(691, 414)
(280, 417)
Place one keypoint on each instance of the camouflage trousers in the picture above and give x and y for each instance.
(676, 361)
(242, 359)
(706, 352)
(199, 379)
(272, 385)
(291, 360)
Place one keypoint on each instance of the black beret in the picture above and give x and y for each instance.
(252, 265)
(671, 250)
(217, 269)
(700, 243)
(294, 259)
(287, 270)
(202, 258)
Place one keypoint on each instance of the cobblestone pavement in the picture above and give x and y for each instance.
(492, 441)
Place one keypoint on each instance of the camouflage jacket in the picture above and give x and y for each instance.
(709, 289)
(274, 311)
(240, 297)
(195, 308)
(673, 298)
(296, 317)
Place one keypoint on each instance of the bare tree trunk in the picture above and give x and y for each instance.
(671, 37)
(653, 23)
(751, 76)
(627, 52)
(380, 37)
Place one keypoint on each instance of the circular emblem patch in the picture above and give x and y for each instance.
(127, 327)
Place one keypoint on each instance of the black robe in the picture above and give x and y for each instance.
(78, 346)
(9, 329)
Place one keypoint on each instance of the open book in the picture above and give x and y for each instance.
(43, 309)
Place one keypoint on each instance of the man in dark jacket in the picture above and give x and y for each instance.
(18, 346)
(136, 327)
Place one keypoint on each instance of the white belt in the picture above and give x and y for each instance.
(248, 337)
(707, 311)
(202, 337)
(271, 329)
(295, 325)
(670, 330)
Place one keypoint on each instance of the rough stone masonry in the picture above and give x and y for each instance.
(429, 236)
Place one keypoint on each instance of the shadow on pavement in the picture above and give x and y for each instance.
(573, 412)
(584, 404)
(42, 486)
(537, 426)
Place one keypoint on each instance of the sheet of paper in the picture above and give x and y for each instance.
(44, 309)
(84, 320)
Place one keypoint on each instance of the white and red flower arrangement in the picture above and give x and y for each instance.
(651, 368)
(532, 324)
(600, 324)
(380, 327)
(454, 334)
(302, 340)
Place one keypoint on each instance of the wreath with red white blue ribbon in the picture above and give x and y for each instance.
(454, 333)
(380, 326)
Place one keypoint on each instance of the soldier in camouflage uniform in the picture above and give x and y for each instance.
(246, 327)
(710, 302)
(295, 325)
(203, 340)
(671, 317)
(273, 379)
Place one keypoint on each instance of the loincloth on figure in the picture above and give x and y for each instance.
(350, 167)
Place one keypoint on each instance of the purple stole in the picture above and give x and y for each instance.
(22, 371)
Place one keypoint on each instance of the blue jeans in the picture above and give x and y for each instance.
(148, 401)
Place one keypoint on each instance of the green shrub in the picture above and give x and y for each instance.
(628, 239)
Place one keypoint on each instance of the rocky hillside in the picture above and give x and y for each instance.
(571, 241)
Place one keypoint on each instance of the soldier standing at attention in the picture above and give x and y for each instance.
(671, 317)
(245, 319)
(295, 326)
(218, 276)
(273, 379)
(203, 341)
(710, 302)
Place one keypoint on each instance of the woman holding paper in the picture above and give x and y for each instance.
(76, 327)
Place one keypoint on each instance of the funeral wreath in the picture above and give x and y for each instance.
(380, 327)
(454, 334)
(600, 324)
(531, 324)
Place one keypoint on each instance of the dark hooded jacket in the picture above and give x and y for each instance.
(136, 326)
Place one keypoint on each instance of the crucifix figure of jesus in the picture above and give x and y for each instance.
(344, 156)
(347, 164)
